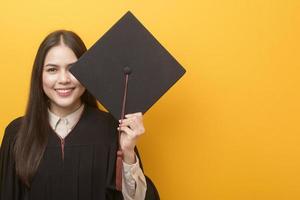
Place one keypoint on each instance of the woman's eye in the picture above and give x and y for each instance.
(51, 70)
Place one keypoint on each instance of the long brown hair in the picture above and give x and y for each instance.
(32, 138)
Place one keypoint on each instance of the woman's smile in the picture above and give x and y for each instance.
(64, 92)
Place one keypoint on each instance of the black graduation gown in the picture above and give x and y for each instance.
(85, 170)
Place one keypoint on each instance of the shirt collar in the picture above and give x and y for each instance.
(70, 119)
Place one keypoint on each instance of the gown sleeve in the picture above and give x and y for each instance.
(111, 192)
(10, 187)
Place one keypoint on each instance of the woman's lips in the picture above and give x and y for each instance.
(64, 92)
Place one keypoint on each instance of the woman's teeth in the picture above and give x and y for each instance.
(64, 92)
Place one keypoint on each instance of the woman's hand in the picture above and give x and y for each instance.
(131, 128)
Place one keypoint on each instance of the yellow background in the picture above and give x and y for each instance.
(229, 130)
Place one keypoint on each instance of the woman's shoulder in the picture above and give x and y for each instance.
(13, 127)
(101, 115)
(100, 120)
(11, 130)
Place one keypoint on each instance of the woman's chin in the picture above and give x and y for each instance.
(67, 104)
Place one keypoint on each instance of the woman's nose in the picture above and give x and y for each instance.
(64, 77)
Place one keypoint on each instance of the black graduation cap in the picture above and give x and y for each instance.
(128, 45)
(127, 65)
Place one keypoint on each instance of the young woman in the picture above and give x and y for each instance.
(64, 147)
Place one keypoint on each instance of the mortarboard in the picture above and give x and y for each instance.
(127, 65)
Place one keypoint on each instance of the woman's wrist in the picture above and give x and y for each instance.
(129, 157)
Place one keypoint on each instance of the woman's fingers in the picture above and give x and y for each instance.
(136, 129)
(133, 114)
(131, 128)
(135, 122)
(131, 121)
(128, 131)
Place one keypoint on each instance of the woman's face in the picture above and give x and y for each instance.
(62, 88)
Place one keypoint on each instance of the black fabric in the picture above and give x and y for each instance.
(86, 173)
(152, 193)
(127, 44)
(10, 186)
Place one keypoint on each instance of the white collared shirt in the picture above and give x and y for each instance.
(63, 125)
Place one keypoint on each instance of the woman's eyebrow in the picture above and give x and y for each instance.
(55, 65)
(51, 65)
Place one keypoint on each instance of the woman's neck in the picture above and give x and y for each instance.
(64, 111)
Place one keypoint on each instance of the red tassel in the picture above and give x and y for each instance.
(119, 168)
